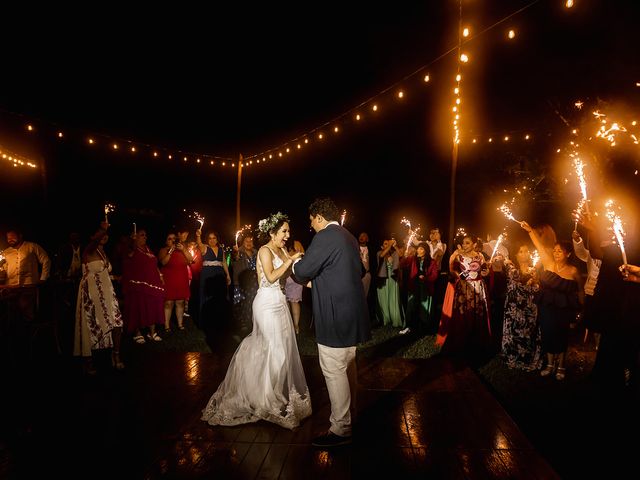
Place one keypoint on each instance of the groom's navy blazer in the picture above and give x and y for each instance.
(332, 263)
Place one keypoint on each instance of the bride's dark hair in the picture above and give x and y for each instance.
(270, 225)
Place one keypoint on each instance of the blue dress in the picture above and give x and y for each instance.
(213, 280)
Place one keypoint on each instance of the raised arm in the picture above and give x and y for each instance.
(545, 258)
(94, 242)
(201, 246)
(578, 247)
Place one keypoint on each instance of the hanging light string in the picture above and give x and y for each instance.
(319, 133)
(15, 160)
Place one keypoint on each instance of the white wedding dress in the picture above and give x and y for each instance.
(265, 379)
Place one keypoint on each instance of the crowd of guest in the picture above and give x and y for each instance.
(475, 298)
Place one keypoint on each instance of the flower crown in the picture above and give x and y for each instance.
(266, 225)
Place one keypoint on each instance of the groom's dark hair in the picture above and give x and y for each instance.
(326, 208)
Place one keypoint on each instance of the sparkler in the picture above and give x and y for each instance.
(495, 248)
(616, 226)
(199, 218)
(535, 259)
(579, 166)
(107, 209)
(412, 233)
(461, 232)
(504, 208)
(343, 217)
(246, 227)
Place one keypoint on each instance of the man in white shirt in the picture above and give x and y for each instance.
(24, 260)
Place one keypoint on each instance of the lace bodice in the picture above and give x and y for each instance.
(262, 279)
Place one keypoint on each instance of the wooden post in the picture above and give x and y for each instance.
(452, 196)
(240, 160)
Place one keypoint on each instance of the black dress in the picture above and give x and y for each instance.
(557, 307)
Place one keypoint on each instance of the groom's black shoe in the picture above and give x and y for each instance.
(330, 439)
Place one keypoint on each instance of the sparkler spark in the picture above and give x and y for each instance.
(245, 227)
(108, 208)
(616, 226)
(504, 208)
(495, 248)
(413, 234)
(535, 259)
(195, 215)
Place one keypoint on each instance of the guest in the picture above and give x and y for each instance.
(467, 332)
(98, 319)
(365, 256)
(293, 290)
(194, 286)
(143, 290)
(389, 307)
(175, 260)
(27, 264)
(422, 274)
(214, 277)
(521, 338)
(592, 322)
(437, 251)
(245, 283)
(368, 265)
(557, 302)
(69, 259)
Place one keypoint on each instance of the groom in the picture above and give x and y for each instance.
(332, 264)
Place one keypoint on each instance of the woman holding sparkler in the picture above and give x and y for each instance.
(467, 332)
(557, 302)
(521, 338)
(175, 259)
(143, 288)
(98, 318)
(389, 305)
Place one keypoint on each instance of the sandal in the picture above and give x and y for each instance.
(180, 327)
(560, 374)
(547, 371)
(115, 361)
(155, 337)
(138, 339)
(88, 368)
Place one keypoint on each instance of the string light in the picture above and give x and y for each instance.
(463, 58)
(15, 159)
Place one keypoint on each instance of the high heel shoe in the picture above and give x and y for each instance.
(116, 362)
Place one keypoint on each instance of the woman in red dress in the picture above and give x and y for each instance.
(175, 259)
(143, 290)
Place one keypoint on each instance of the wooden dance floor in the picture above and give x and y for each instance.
(428, 418)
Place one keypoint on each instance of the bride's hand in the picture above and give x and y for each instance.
(296, 256)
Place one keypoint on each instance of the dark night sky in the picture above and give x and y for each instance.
(244, 79)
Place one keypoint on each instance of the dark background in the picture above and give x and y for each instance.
(207, 82)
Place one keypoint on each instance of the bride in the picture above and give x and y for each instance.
(265, 379)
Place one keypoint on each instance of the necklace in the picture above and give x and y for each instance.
(558, 270)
